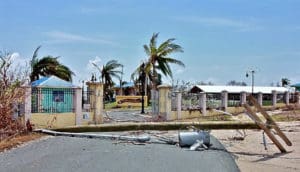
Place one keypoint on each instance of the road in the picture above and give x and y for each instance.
(82, 154)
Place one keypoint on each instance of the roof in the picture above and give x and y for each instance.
(52, 82)
(127, 84)
(238, 89)
(296, 85)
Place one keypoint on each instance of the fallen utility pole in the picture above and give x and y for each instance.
(270, 123)
(211, 125)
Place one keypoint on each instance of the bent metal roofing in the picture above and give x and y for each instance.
(52, 82)
(238, 89)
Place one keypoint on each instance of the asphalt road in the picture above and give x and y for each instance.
(82, 154)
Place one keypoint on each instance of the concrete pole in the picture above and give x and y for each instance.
(287, 98)
(96, 101)
(298, 98)
(78, 105)
(243, 97)
(27, 102)
(164, 101)
(224, 101)
(203, 103)
(274, 98)
(178, 102)
(260, 98)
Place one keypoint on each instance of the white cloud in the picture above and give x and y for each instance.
(90, 68)
(242, 26)
(61, 37)
(18, 60)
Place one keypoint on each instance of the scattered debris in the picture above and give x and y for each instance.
(198, 146)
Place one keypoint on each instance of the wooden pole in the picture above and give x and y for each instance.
(260, 123)
(270, 121)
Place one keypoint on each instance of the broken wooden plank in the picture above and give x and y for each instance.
(271, 121)
(260, 123)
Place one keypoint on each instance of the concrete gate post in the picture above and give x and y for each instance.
(298, 98)
(203, 102)
(164, 102)
(260, 98)
(96, 101)
(274, 98)
(27, 101)
(224, 100)
(287, 98)
(178, 104)
(78, 105)
(243, 97)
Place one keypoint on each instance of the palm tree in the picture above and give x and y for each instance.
(159, 58)
(48, 66)
(285, 82)
(109, 71)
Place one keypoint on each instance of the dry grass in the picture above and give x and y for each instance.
(18, 140)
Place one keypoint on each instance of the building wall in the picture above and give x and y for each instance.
(53, 120)
(49, 103)
(52, 100)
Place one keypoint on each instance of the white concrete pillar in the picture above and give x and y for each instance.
(203, 103)
(164, 101)
(224, 100)
(243, 97)
(78, 105)
(298, 98)
(96, 101)
(27, 102)
(260, 98)
(274, 98)
(287, 98)
(178, 102)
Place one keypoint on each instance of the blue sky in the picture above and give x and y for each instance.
(221, 39)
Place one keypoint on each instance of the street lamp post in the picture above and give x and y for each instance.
(143, 76)
(252, 78)
(82, 93)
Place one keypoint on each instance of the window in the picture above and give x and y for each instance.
(58, 96)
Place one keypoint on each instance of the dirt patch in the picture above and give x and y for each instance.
(250, 153)
(18, 140)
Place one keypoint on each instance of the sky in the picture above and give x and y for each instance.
(222, 39)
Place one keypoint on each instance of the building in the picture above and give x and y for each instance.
(128, 89)
(52, 95)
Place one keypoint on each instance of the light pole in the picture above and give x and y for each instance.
(82, 93)
(252, 78)
(143, 76)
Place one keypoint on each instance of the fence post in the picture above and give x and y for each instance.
(274, 98)
(27, 101)
(297, 98)
(164, 102)
(96, 100)
(260, 98)
(224, 100)
(287, 98)
(178, 102)
(203, 102)
(78, 105)
(243, 97)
